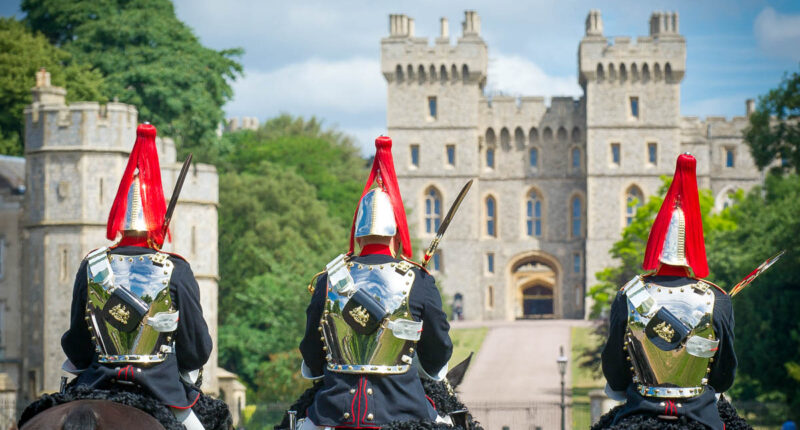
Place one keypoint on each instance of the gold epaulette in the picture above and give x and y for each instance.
(421, 267)
(313, 282)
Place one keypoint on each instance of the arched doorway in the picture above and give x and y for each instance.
(534, 279)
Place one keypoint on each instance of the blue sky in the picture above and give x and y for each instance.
(321, 58)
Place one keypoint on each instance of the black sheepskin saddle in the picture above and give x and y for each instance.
(213, 413)
(727, 413)
(445, 402)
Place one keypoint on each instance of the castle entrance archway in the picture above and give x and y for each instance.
(534, 280)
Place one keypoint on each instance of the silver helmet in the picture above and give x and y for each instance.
(674, 250)
(134, 223)
(375, 216)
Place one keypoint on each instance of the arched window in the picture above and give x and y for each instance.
(601, 75)
(453, 72)
(505, 138)
(575, 159)
(465, 73)
(443, 74)
(421, 74)
(433, 210)
(410, 73)
(533, 214)
(656, 72)
(576, 134)
(533, 135)
(490, 158)
(668, 73)
(491, 217)
(533, 157)
(634, 72)
(634, 199)
(623, 73)
(398, 73)
(612, 73)
(490, 137)
(519, 137)
(432, 73)
(645, 73)
(562, 134)
(548, 134)
(576, 218)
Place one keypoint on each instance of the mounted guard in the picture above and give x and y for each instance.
(670, 352)
(375, 321)
(136, 321)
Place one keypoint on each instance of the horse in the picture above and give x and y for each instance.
(730, 418)
(92, 415)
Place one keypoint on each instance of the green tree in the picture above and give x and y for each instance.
(22, 53)
(149, 59)
(774, 131)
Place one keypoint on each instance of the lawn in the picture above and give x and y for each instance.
(583, 380)
(466, 340)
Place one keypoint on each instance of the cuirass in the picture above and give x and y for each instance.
(670, 338)
(351, 342)
(129, 308)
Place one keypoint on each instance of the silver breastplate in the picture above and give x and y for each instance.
(129, 308)
(670, 339)
(388, 348)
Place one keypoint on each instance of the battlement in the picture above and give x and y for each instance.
(714, 126)
(657, 58)
(246, 123)
(409, 59)
(527, 106)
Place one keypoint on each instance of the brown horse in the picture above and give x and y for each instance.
(92, 415)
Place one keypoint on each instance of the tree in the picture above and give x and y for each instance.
(774, 131)
(149, 59)
(22, 53)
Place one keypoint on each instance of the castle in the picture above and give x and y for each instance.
(54, 203)
(554, 185)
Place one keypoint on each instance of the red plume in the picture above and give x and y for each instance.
(682, 193)
(144, 157)
(383, 165)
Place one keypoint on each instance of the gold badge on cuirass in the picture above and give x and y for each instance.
(360, 315)
(120, 313)
(664, 331)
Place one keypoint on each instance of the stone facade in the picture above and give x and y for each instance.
(552, 182)
(74, 157)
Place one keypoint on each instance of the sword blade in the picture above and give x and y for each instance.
(754, 274)
(445, 223)
(173, 200)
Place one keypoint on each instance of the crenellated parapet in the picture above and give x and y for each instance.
(407, 59)
(657, 58)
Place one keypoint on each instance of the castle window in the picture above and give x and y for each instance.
(652, 153)
(576, 134)
(398, 74)
(533, 221)
(623, 73)
(533, 157)
(436, 261)
(505, 138)
(729, 199)
(490, 262)
(668, 73)
(634, 72)
(634, 102)
(451, 155)
(616, 156)
(490, 158)
(415, 155)
(421, 74)
(548, 134)
(490, 136)
(465, 73)
(562, 134)
(453, 72)
(576, 159)
(432, 73)
(645, 73)
(634, 199)
(533, 135)
(601, 76)
(656, 72)
(576, 262)
(577, 217)
(730, 158)
(490, 296)
(432, 108)
(612, 74)
(491, 217)
(443, 74)
(410, 73)
(433, 210)
(519, 138)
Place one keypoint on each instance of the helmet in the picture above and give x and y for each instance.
(375, 215)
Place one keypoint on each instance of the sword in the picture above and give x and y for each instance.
(173, 201)
(752, 276)
(445, 223)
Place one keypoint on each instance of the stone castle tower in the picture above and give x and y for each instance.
(553, 182)
(74, 157)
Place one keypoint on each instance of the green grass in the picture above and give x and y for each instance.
(583, 380)
(466, 340)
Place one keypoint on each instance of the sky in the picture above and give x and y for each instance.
(322, 58)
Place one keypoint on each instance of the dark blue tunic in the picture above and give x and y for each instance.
(347, 400)
(192, 340)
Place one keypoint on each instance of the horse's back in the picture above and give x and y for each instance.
(92, 415)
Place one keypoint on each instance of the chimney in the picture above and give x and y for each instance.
(445, 29)
(410, 30)
(472, 24)
(594, 23)
(44, 93)
(750, 106)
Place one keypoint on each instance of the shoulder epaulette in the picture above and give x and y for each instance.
(421, 267)
(713, 285)
(313, 282)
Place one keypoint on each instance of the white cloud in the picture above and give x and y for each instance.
(314, 87)
(518, 76)
(778, 34)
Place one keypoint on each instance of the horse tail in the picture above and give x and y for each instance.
(80, 418)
